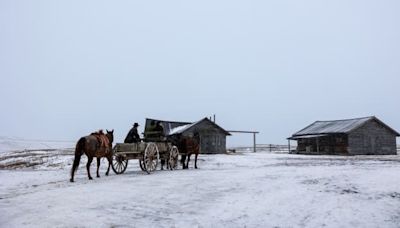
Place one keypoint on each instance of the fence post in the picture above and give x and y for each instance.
(254, 139)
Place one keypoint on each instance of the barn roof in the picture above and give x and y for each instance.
(337, 127)
(183, 128)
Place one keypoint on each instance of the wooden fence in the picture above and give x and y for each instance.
(276, 148)
(273, 148)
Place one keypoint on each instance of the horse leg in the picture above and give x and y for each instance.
(109, 158)
(166, 161)
(90, 159)
(98, 166)
(188, 160)
(195, 160)
(183, 160)
(168, 166)
(162, 163)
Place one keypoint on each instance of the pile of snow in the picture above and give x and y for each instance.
(241, 190)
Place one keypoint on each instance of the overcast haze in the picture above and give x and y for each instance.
(71, 67)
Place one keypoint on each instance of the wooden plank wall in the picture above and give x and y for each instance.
(372, 138)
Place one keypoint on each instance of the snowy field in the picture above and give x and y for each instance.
(18, 144)
(240, 190)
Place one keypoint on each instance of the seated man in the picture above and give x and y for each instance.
(159, 130)
(133, 135)
(154, 132)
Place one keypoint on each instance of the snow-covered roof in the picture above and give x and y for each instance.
(183, 128)
(180, 129)
(337, 126)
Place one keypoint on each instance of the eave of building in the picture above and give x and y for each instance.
(337, 127)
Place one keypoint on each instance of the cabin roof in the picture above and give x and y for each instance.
(337, 127)
(186, 127)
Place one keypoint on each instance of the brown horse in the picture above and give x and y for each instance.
(96, 145)
(189, 146)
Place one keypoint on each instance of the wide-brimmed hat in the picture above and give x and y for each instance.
(136, 125)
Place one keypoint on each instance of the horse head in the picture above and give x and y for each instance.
(110, 136)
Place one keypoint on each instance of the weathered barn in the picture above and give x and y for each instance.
(361, 136)
(212, 136)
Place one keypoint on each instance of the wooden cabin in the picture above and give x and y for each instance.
(361, 136)
(212, 136)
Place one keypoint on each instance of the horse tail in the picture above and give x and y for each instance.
(78, 153)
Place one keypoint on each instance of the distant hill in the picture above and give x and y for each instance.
(18, 144)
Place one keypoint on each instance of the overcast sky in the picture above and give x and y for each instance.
(68, 68)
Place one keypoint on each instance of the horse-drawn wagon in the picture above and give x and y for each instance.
(149, 155)
(156, 148)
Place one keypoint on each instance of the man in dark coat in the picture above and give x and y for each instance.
(133, 135)
(159, 129)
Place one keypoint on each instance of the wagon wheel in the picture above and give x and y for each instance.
(119, 163)
(151, 157)
(173, 158)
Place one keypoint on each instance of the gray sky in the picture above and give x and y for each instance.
(71, 67)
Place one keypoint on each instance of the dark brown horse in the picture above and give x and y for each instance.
(187, 147)
(96, 145)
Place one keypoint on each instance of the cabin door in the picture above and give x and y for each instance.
(207, 144)
(370, 145)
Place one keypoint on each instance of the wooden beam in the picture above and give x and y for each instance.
(250, 132)
(254, 137)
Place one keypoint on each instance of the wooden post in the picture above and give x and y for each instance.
(289, 145)
(317, 145)
(254, 139)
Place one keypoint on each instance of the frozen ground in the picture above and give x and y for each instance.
(18, 144)
(241, 190)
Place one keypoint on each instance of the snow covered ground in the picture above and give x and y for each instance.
(240, 190)
(17, 144)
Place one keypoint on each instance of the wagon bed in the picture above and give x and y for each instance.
(147, 153)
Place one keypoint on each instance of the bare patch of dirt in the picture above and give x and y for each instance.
(34, 159)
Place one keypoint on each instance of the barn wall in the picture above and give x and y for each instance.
(372, 138)
(213, 140)
(332, 144)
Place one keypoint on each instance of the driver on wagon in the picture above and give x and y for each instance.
(133, 135)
